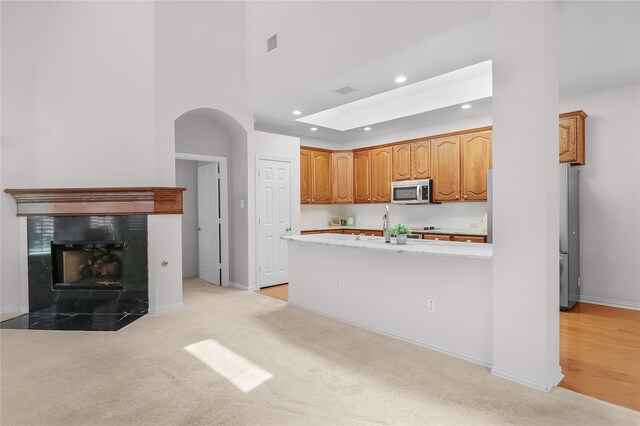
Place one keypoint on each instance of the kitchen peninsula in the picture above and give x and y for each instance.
(433, 293)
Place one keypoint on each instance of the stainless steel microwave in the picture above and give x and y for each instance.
(412, 192)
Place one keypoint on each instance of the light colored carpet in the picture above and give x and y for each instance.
(324, 372)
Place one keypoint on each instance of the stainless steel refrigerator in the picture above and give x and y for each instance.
(569, 236)
(569, 233)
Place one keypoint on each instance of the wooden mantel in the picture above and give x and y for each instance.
(97, 201)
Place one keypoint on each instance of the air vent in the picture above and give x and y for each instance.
(272, 42)
(344, 90)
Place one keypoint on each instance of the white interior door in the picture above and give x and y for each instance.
(209, 223)
(274, 221)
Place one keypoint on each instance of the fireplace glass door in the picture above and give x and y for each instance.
(87, 265)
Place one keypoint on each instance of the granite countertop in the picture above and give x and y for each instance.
(447, 231)
(420, 247)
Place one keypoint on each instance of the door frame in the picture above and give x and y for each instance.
(224, 206)
(259, 158)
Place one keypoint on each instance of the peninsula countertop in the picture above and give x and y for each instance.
(442, 231)
(419, 247)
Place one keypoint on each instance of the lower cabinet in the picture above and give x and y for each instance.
(436, 237)
(459, 238)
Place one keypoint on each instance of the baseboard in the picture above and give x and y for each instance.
(238, 285)
(8, 309)
(423, 343)
(536, 384)
(610, 302)
(166, 308)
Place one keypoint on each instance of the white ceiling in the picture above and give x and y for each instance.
(599, 45)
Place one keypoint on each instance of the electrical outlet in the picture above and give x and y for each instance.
(337, 287)
(431, 306)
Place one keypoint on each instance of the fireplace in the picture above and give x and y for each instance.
(87, 265)
(87, 254)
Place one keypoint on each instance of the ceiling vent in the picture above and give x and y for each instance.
(344, 90)
(272, 42)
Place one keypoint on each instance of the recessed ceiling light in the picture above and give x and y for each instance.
(401, 79)
(313, 129)
(465, 106)
(296, 112)
(367, 128)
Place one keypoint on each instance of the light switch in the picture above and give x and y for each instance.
(242, 204)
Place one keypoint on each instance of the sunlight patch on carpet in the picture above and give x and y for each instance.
(241, 372)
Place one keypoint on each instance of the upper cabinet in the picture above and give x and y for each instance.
(421, 160)
(315, 176)
(476, 160)
(572, 137)
(320, 177)
(381, 175)
(401, 155)
(457, 163)
(445, 164)
(305, 176)
(342, 177)
(362, 176)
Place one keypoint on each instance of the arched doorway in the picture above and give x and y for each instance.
(211, 162)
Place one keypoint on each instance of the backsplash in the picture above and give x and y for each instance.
(455, 216)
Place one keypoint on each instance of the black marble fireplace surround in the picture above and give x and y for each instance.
(107, 278)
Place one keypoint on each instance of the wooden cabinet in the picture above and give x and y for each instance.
(476, 160)
(305, 176)
(571, 135)
(468, 238)
(436, 237)
(445, 163)
(342, 177)
(368, 232)
(421, 160)
(401, 156)
(381, 175)
(459, 238)
(362, 176)
(315, 176)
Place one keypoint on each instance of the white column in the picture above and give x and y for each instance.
(525, 189)
(165, 262)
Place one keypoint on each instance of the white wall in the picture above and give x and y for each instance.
(200, 63)
(317, 39)
(187, 177)
(268, 144)
(610, 196)
(77, 105)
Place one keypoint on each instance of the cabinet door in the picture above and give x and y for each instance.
(445, 161)
(342, 178)
(571, 137)
(362, 176)
(476, 160)
(436, 237)
(321, 177)
(468, 238)
(305, 176)
(401, 156)
(421, 160)
(381, 175)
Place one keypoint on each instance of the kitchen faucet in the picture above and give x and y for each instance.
(385, 225)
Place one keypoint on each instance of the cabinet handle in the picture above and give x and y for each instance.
(465, 197)
(457, 197)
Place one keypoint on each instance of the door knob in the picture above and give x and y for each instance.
(198, 229)
(288, 228)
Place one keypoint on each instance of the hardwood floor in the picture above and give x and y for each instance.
(600, 353)
(280, 292)
(599, 350)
